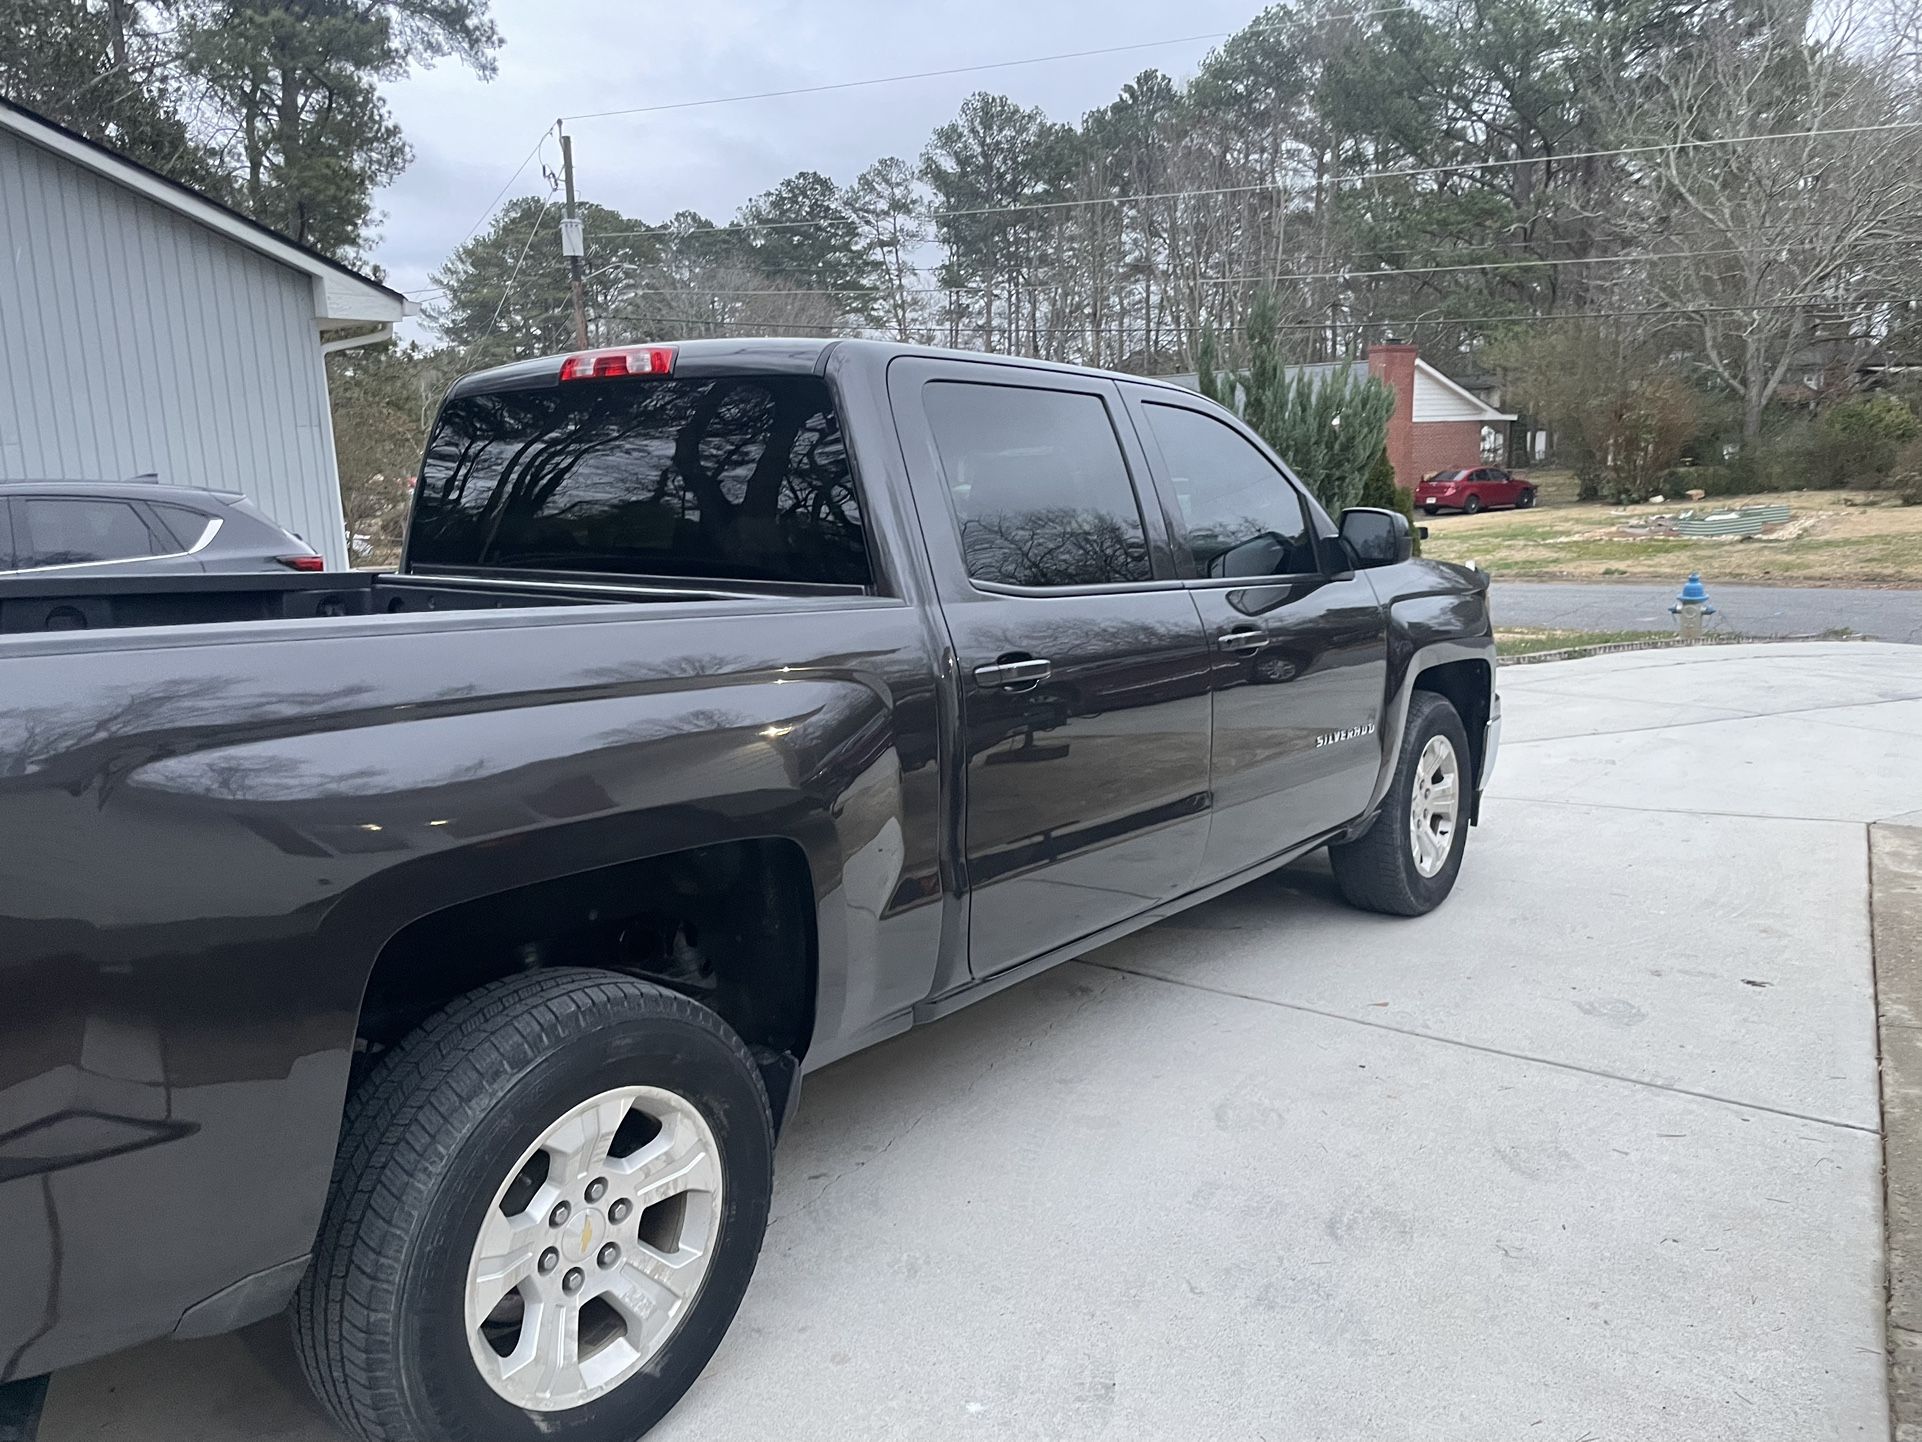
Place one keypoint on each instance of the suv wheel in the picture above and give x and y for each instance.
(1406, 863)
(546, 1208)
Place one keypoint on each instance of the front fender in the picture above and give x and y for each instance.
(1440, 624)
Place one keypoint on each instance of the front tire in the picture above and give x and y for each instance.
(1525, 500)
(547, 1204)
(1406, 863)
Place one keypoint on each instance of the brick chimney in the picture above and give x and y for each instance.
(1393, 363)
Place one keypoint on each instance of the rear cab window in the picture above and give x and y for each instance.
(1039, 485)
(713, 479)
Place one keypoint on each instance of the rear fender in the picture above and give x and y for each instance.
(190, 1041)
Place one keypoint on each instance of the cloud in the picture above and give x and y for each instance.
(589, 55)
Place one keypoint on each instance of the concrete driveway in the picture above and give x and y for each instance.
(1593, 1152)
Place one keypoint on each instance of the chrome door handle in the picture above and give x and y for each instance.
(1014, 673)
(1242, 638)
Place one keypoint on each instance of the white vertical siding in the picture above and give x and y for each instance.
(1437, 402)
(133, 339)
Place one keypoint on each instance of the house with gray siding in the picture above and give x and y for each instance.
(145, 328)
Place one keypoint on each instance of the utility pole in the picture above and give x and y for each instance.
(571, 245)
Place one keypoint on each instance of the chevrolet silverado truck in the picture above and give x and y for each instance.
(436, 954)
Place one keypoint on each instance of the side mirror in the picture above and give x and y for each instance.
(1376, 537)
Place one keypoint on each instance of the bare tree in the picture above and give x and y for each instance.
(1775, 255)
(890, 215)
(1619, 410)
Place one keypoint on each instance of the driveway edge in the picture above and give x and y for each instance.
(1895, 913)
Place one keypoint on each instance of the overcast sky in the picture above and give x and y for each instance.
(587, 55)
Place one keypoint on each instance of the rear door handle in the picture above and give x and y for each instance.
(1242, 638)
(1025, 672)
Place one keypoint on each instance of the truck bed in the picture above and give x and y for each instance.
(49, 603)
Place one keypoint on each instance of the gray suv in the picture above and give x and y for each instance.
(109, 528)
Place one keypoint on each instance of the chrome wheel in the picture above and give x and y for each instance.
(1435, 805)
(594, 1248)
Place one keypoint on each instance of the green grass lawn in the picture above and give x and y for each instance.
(1841, 538)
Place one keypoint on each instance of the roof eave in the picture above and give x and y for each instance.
(342, 296)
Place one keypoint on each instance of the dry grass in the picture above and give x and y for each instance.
(1835, 538)
(1526, 641)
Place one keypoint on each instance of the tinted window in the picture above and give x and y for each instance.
(1039, 486)
(1239, 515)
(62, 532)
(742, 479)
(185, 523)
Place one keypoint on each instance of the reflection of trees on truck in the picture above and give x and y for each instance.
(727, 478)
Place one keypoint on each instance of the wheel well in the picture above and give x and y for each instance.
(1466, 687)
(731, 926)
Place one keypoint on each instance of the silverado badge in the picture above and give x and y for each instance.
(1330, 738)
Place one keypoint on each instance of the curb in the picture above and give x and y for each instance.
(1895, 921)
(1667, 643)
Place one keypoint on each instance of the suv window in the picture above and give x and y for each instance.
(63, 531)
(1039, 485)
(1238, 515)
(738, 478)
(184, 523)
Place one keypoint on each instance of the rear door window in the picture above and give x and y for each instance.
(737, 478)
(1238, 515)
(1039, 484)
(72, 531)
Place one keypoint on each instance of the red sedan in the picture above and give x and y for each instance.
(1474, 490)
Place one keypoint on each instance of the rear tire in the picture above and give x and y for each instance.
(1432, 510)
(1381, 870)
(1472, 505)
(436, 1141)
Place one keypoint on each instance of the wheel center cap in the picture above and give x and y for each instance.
(584, 1231)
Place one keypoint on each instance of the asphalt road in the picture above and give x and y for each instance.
(1592, 1151)
(1745, 610)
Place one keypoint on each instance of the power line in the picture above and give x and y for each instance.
(1678, 312)
(1760, 233)
(876, 80)
(1339, 178)
(494, 204)
(1345, 274)
(951, 70)
(508, 288)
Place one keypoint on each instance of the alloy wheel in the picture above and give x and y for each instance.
(594, 1248)
(1434, 805)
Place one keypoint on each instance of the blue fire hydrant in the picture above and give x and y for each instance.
(1690, 607)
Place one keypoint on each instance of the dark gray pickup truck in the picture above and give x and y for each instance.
(439, 952)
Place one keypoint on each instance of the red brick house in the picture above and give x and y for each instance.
(1436, 424)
